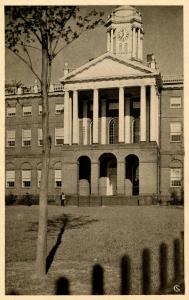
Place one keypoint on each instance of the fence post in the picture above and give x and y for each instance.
(177, 259)
(182, 253)
(146, 284)
(125, 276)
(62, 286)
(163, 266)
(97, 280)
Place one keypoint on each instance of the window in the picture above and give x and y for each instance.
(175, 177)
(27, 110)
(175, 102)
(175, 132)
(10, 179)
(58, 178)
(26, 178)
(26, 137)
(11, 138)
(111, 131)
(40, 137)
(38, 178)
(11, 111)
(59, 108)
(59, 136)
(40, 109)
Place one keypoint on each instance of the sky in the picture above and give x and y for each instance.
(163, 27)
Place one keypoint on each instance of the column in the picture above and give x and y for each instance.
(141, 47)
(108, 41)
(75, 118)
(121, 177)
(134, 42)
(121, 115)
(70, 120)
(138, 44)
(152, 113)
(127, 122)
(95, 116)
(94, 178)
(103, 123)
(157, 118)
(111, 41)
(66, 117)
(85, 123)
(143, 114)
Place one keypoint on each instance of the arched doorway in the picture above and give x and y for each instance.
(108, 174)
(132, 174)
(84, 163)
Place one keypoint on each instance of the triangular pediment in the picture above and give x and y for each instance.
(108, 66)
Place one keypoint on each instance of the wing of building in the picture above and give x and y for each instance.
(116, 126)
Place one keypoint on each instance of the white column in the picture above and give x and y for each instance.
(141, 47)
(75, 118)
(152, 113)
(138, 44)
(108, 41)
(70, 121)
(121, 115)
(112, 41)
(103, 123)
(85, 122)
(95, 116)
(134, 42)
(127, 122)
(66, 117)
(143, 114)
(157, 118)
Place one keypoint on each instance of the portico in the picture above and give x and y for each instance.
(96, 105)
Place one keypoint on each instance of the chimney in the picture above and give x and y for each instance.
(65, 69)
(151, 61)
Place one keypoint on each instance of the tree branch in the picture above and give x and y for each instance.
(26, 62)
(65, 21)
(36, 35)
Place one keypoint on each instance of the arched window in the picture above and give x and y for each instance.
(111, 131)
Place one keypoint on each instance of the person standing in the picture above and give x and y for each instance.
(63, 199)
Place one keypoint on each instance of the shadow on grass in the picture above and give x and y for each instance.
(72, 222)
(59, 224)
(52, 253)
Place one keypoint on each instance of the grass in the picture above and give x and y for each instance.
(92, 235)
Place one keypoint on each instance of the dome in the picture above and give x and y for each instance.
(126, 11)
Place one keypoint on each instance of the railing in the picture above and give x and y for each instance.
(165, 286)
(172, 78)
(33, 89)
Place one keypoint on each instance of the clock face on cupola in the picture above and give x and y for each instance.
(125, 32)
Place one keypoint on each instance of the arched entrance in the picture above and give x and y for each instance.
(108, 174)
(84, 163)
(132, 174)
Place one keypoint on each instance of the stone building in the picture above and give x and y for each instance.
(116, 127)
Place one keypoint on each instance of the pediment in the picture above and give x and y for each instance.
(108, 66)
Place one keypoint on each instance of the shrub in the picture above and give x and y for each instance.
(26, 199)
(10, 199)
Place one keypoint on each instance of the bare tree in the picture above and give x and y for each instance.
(47, 29)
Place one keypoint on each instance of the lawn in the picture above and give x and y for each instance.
(93, 235)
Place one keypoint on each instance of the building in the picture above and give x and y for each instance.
(116, 126)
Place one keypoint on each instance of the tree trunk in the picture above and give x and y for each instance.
(43, 198)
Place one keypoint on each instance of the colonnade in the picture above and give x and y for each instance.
(71, 117)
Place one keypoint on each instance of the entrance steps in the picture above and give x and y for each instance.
(108, 200)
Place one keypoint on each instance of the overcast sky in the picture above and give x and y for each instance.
(163, 26)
